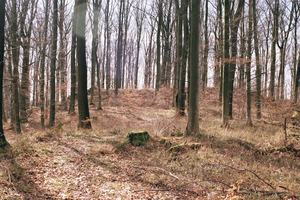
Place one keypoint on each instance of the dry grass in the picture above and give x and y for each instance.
(236, 163)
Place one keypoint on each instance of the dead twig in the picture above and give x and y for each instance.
(242, 170)
(171, 190)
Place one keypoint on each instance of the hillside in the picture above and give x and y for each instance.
(259, 162)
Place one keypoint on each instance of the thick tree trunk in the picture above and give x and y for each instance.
(139, 24)
(182, 93)
(257, 60)
(15, 57)
(273, 49)
(3, 142)
(61, 56)
(193, 118)
(107, 46)
(226, 67)
(73, 62)
(119, 48)
(179, 96)
(83, 106)
(43, 54)
(53, 64)
(248, 69)
(220, 51)
(234, 30)
(157, 85)
(205, 56)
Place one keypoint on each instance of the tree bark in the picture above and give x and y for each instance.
(226, 67)
(257, 60)
(83, 106)
(205, 56)
(43, 54)
(53, 64)
(3, 141)
(273, 49)
(248, 68)
(193, 118)
(15, 55)
(234, 30)
(119, 48)
(107, 46)
(157, 85)
(73, 62)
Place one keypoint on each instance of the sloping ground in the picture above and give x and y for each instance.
(66, 163)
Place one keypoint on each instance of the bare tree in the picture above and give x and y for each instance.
(248, 67)
(73, 61)
(193, 118)
(53, 64)
(43, 56)
(3, 141)
(15, 44)
(83, 106)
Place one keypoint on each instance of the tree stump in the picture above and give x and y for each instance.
(138, 138)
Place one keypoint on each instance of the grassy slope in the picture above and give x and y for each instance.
(241, 161)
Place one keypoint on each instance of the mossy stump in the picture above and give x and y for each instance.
(138, 138)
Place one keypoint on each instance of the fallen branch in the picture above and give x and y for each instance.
(172, 190)
(242, 170)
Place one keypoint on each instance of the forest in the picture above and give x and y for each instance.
(159, 99)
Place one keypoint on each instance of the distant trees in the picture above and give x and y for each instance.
(147, 43)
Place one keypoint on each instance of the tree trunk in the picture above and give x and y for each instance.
(83, 106)
(107, 46)
(119, 48)
(220, 51)
(139, 24)
(258, 69)
(248, 69)
(94, 47)
(15, 55)
(234, 30)
(226, 66)
(179, 96)
(43, 54)
(182, 93)
(193, 118)
(73, 62)
(98, 85)
(3, 142)
(61, 56)
(53, 64)
(157, 85)
(26, 36)
(205, 56)
(273, 49)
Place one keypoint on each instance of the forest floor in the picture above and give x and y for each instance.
(240, 162)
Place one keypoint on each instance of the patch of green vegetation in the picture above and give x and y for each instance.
(121, 146)
(139, 138)
(116, 132)
(182, 147)
(2, 150)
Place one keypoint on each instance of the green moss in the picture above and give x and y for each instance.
(138, 138)
(182, 147)
(2, 150)
(176, 148)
